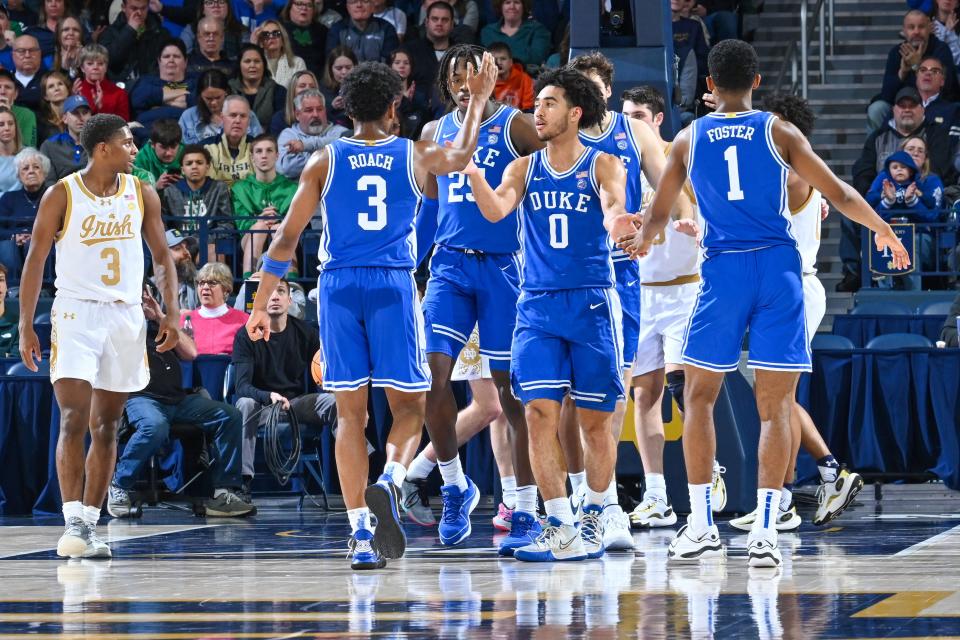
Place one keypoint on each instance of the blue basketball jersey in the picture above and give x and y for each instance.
(459, 221)
(369, 202)
(618, 140)
(740, 182)
(565, 245)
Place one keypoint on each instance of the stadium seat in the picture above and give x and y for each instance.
(830, 342)
(20, 369)
(899, 341)
(936, 308)
(882, 309)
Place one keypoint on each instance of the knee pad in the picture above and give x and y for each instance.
(675, 381)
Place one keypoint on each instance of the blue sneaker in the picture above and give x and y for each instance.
(523, 531)
(383, 500)
(558, 542)
(362, 551)
(591, 530)
(457, 507)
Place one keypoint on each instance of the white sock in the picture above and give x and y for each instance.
(420, 468)
(577, 480)
(91, 515)
(828, 474)
(768, 502)
(560, 509)
(610, 495)
(527, 499)
(452, 473)
(396, 471)
(359, 519)
(509, 486)
(72, 509)
(594, 498)
(656, 486)
(701, 515)
(786, 497)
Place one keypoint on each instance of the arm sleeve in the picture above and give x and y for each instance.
(539, 46)
(242, 207)
(426, 226)
(390, 41)
(146, 94)
(865, 168)
(875, 194)
(289, 163)
(472, 16)
(891, 77)
(244, 363)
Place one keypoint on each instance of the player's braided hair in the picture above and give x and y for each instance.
(580, 91)
(471, 53)
(100, 128)
(793, 109)
(369, 90)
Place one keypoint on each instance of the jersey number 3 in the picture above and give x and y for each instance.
(377, 201)
(112, 256)
(733, 173)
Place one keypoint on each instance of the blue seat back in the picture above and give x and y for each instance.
(882, 309)
(899, 341)
(829, 341)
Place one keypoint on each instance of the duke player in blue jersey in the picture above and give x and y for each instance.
(738, 161)
(570, 201)
(371, 327)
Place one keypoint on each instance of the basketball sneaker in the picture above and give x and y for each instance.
(577, 498)
(762, 550)
(524, 529)
(652, 512)
(119, 502)
(227, 504)
(557, 542)
(416, 504)
(502, 521)
(457, 506)
(591, 530)
(834, 497)
(688, 546)
(76, 536)
(97, 547)
(383, 500)
(786, 520)
(364, 556)
(718, 488)
(616, 529)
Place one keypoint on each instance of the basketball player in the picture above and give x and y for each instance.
(474, 280)
(630, 141)
(568, 335)
(751, 277)
(371, 328)
(669, 279)
(98, 218)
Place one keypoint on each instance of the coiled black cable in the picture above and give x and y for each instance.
(281, 462)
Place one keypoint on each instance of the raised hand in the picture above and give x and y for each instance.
(482, 82)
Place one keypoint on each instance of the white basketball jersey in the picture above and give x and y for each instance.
(673, 255)
(99, 250)
(806, 229)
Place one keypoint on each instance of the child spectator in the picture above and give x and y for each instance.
(514, 84)
(214, 324)
(161, 156)
(196, 195)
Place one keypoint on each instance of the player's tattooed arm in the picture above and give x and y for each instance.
(612, 181)
(651, 153)
(164, 269)
(798, 153)
(495, 205)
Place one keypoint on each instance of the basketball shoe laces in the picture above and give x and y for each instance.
(550, 537)
(452, 507)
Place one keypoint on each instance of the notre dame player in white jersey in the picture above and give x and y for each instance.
(98, 218)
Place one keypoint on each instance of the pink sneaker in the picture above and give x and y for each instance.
(502, 521)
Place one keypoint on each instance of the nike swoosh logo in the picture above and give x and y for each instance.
(505, 268)
(594, 306)
(631, 283)
(538, 178)
(564, 547)
(448, 135)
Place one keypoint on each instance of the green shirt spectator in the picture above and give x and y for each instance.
(161, 156)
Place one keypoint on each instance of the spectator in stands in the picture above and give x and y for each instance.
(514, 84)
(64, 150)
(466, 19)
(163, 402)
(6, 30)
(45, 29)
(10, 146)
(167, 94)
(265, 194)
(69, 42)
(903, 61)
(134, 41)
(9, 321)
(690, 47)
(26, 119)
(310, 132)
(301, 81)
(213, 324)
(234, 35)
(27, 62)
(274, 372)
(340, 62)
(528, 39)
(946, 25)
(196, 195)
(18, 208)
(161, 156)
(183, 259)
(414, 104)
(230, 151)
(393, 15)
(205, 120)
(275, 42)
(327, 16)
(425, 53)
(949, 332)
(720, 16)
(209, 53)
(308, 38)
(930, 77)
(55, 88)
(103, 95)
(254, 83)
(370, 38)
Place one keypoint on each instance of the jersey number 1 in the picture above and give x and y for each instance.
(377, 201)
(733, 173)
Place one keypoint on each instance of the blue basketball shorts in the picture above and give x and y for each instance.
(761, 290)
(371, 330)
(467, 289)
(569, 340)
(628, 288)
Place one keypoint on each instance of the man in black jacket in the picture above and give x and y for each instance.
(949, 332)
(134, 42)
(274, 372)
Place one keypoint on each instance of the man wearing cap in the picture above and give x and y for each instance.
(26, 119)
(186, 268)
(64, 150)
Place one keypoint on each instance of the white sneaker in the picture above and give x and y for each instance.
(97, 547)
(687, 546)
(834, 497)
(786, 520)
(616, 529)
(591, 531)
(652, 512)
(718, 488)
(557, 542)
(76, 536)
(762, 550)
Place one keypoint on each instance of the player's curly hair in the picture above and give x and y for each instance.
(597, 63)
(580, 91)
(100, 128)
(369, 91)
(470, 53)
(733, 65)
(793, 109)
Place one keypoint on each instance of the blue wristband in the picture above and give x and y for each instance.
(277, 268)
